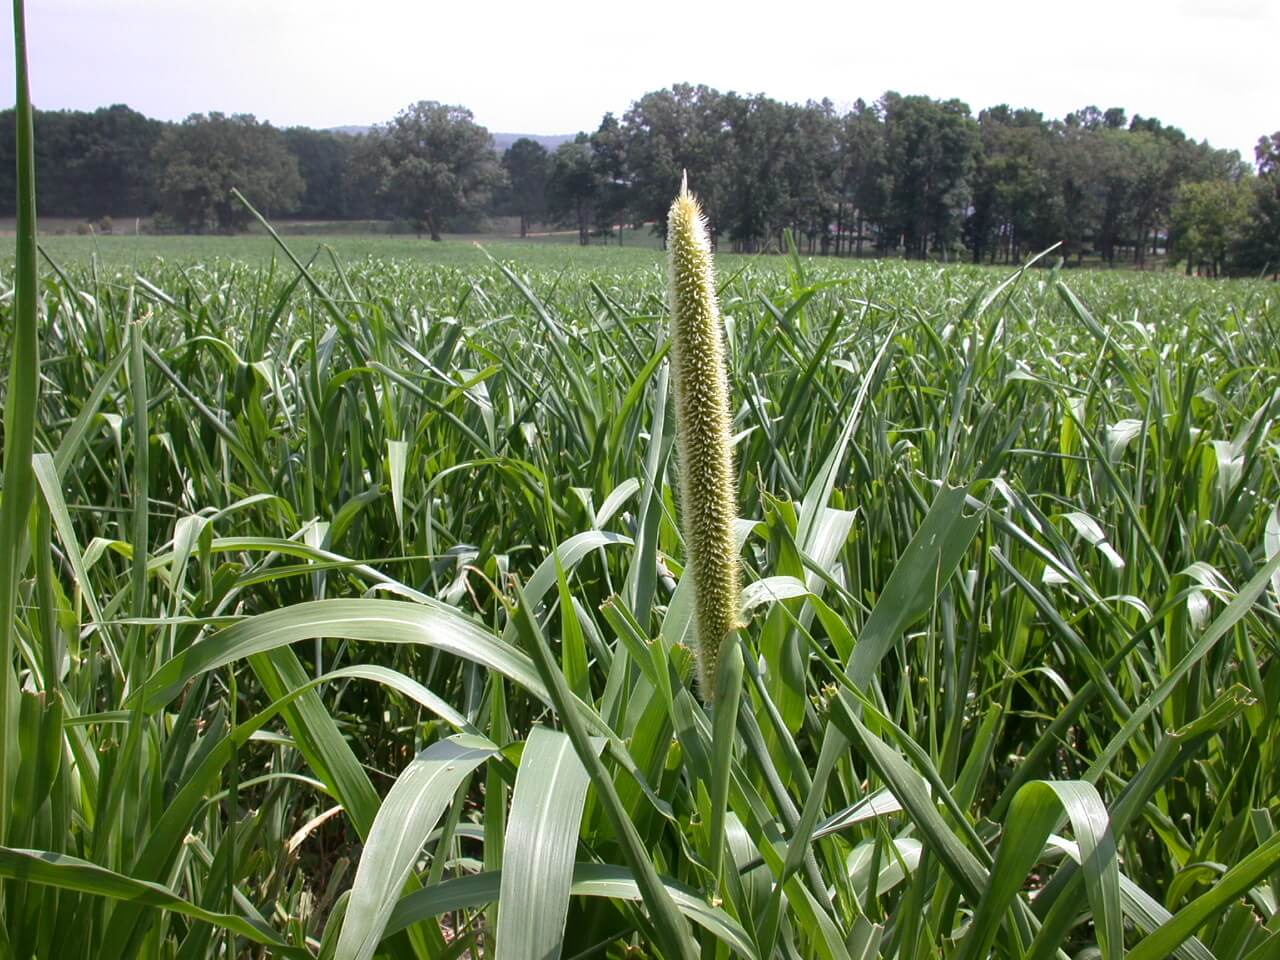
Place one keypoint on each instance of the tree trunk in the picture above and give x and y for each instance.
(524, 225)
(434, 226)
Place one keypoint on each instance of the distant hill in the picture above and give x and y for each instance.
(501, 141)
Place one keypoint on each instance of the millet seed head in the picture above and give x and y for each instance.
(707, 488)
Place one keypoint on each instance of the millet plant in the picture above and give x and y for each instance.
(708, 487)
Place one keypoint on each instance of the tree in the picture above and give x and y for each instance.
(931, 147)
(1209, 219)
(753, 206)
(1114, 186)
(861, 173)
(668, 132)
(1267, 154)
(1114, 118)
(1091, 118)
(114, 168)
(1259, 245)
(1152, 186)
(203, 158)
(322, 158)
(87, 164)
(1014, 198)
(613, 187)
(810, 163)
(572, 185)
(1116, 176)
(525, 163)
(362, 180)
(1073, 170)
(431, 163)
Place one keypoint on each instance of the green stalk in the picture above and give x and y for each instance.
(19, 411)
(707, 487)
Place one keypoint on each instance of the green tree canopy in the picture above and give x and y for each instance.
(200, 160)
(613, 187)
(431, 163)
(322, 158)
(669, 132)
(931, 149)
(760, 135)
(1014, 205)
(1258, 248)
(861, 181)
(526, 162)
(87, 164)
(572, 185)
(1209, 218)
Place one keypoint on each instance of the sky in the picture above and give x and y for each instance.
(558, 67)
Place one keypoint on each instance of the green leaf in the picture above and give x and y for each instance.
(538, 853)
(925, 566)
(912, 791)
(771, 590)
(407, 816)
(432, 623)
(724, 717)
(672, 933)
(589, 880)
(1032, 816)
(1236, 881)
(20, 412)
(71, 873)
(397, 453)
(570, 554)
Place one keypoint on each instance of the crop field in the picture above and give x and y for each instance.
(351, 618)
(119, 251)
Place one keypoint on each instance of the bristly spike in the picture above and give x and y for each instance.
(708, 490)
(684, 183)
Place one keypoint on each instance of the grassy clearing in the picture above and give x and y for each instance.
(353, 619)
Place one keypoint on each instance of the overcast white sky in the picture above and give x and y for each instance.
(1207, 66)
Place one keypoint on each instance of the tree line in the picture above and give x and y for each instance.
(910, 175)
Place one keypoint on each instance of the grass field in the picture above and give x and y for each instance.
(352, 243)
(129, 250)
(354, 623)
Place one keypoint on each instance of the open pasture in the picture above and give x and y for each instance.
(354, 624)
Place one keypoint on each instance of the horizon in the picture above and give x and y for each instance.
(1198, 67)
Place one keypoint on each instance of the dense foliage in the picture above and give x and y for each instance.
(906, 174)
(431, 164)
(331, 583)
(201, 160)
